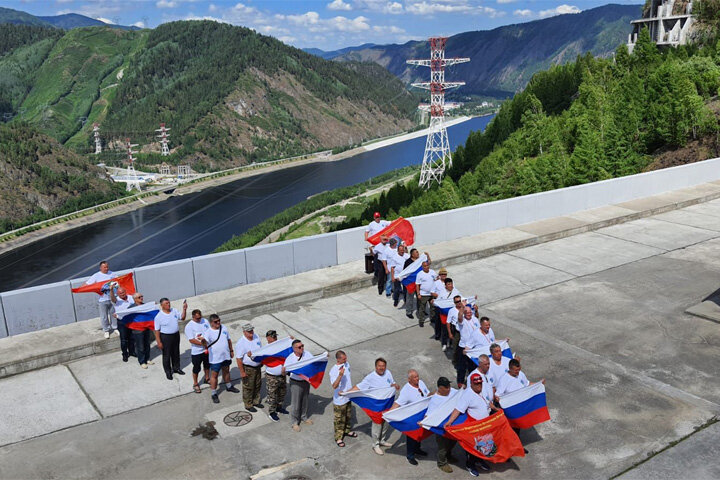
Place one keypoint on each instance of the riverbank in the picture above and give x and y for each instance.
(11, 240)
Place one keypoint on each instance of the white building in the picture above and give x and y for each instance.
(668, 21)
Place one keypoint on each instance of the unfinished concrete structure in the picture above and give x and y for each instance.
(669, 22)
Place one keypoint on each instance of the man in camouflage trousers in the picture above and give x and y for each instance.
(342, 408)
(275, 384)
(249, 369)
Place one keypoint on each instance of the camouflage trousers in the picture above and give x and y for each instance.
(276, 386)
(341, 421)
(251, 386)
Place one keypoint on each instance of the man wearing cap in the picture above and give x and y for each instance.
(375, 226)
(249, 369)
(342, 408)
(445, 445)
(275, 384)
(194, 332)
(476, 407)
(425, 281)
(299, 387)
(220, 353)
(413, 391)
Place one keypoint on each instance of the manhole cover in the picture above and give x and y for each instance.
(237, 419)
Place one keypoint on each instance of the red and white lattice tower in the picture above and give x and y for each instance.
(437, 147)
(163, 136)
(96, 134)
(132, 182)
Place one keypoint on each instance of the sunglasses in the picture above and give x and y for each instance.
(301, 346)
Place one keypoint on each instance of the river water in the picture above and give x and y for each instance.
(195, 224)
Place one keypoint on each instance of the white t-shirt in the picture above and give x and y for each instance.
(373, 380)
(452, 317)
(276, 370)
(473, 404)
(398, 261)
(192, 330)
(437, 400)
(468, 331)
(121, 304)
(374, 227)
(444, 294)
(293, 359)
(508, 383)
(497, 371)
(485, 338)
(425, 282)
(487, 390)
(220, 350)
(410, 394)
(101, 277)
(244, 346)
(167, 322)
(344, 385)
(382, 251)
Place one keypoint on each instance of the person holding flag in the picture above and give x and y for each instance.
(342, 409)
(396, 263)
(407, 279)
(413, 391)
(194, 332)
(250, 370)
(381, 251)
(275, 383)
(299, 387)
(499, 364)
(380, 378)
(476, 407)
(122, 301)
(425, 281)
(444, 444)
(513, 380)
(375, 226)
(107, 321)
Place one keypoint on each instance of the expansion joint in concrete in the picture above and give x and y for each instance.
(82, 389)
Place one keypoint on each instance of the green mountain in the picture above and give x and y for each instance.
(504, 59)
(66, 21)
(8, 15)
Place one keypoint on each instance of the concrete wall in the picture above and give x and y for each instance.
(50, 305)
(86, 304)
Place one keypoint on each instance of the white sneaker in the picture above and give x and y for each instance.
(444, 347)
(378, 450)
(106, 334)
(150, 362)
(144, 365)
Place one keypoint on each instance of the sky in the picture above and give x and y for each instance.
(324, 24)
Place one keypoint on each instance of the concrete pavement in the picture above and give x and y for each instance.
(600, 315)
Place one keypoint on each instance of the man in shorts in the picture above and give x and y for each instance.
(220, 354)
(195, 332)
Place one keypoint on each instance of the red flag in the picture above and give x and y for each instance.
(125, 281)
(400, 228)
(491, 438)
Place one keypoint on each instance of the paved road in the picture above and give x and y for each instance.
(600, 315)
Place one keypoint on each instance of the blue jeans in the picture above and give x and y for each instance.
(142, 345)
(388, 286)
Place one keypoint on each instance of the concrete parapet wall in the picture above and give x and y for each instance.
(47, 306)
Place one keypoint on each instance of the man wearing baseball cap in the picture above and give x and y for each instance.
(375, 226)
(275, 384)
(477, 407)
(249, 369)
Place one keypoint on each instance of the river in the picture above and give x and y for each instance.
(195, 224)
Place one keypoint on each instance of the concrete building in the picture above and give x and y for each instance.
(670, 23)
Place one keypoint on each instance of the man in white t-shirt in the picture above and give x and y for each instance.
(107, 321)
(381, 252)
(483, 368)
(412, 391)
(220, 353)
(275, 384)
(499, 365)
(476, 407)
(250, 370)
(375, 226)
(195, 333)
(513, 380)
(341, 381)
(167, 336)
(485, 336)
(299, 387)
(468, 328)
(447, 292)
(120, 300)
(396, 264)
(445, 445)
(425, 281)
(379, 378)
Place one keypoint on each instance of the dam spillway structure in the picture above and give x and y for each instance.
(437, 154)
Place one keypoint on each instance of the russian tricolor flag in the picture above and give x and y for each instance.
(443, 306)
(140, 317)
(474, 353)
(274, 354)
(408, 275)
(526, 407)
(373, 401)
(405, 419)
(311, 369)
(436, 420)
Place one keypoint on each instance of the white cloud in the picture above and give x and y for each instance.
(338, 5)
(392, 29)
(105, 20)
(426, 8)
(240, 8)
(383, 6)
(559, 10)
(523, 13)
(166, 4)
(139, 24)
(505, 1)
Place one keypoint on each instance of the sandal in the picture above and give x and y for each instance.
(197, 389)
(351, 434)
(340, 443)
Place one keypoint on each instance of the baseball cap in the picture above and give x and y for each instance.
(248, 327)
(475, 378)
(376, 214)
(443, 382)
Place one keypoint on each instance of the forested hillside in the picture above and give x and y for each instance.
(230, 95)
(582, 122)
